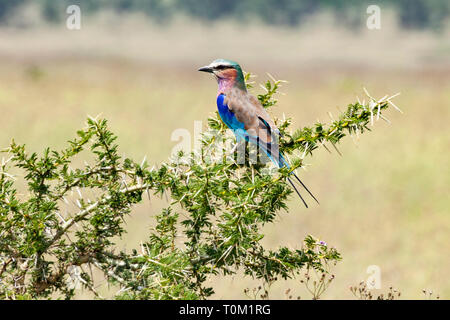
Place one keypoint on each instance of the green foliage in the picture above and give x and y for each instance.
(355, 120)
(68, 221)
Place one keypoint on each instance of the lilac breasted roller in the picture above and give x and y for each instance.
(244, 114)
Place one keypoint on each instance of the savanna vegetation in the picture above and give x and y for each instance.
(217, 206)
(383, 202)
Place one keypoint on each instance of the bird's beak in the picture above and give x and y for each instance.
(206, 69)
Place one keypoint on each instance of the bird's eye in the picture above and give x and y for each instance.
(221, 67)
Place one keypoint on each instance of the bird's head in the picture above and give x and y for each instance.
(228, 73)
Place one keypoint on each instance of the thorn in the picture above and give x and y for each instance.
(371, 117)
(385, 119)
(398, 109)
(271, 77)
(382, 99)
(304, 152)
(143, 161)
(265, 89)
(368, 94)
(353, 139)
(95, 119)
(395, 95)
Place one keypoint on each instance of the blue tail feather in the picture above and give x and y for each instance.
(283, 163)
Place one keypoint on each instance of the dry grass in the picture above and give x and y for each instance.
(385, 202)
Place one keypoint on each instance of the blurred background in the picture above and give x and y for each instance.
(385, 202)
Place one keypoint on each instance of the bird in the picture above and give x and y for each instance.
(245, 116)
